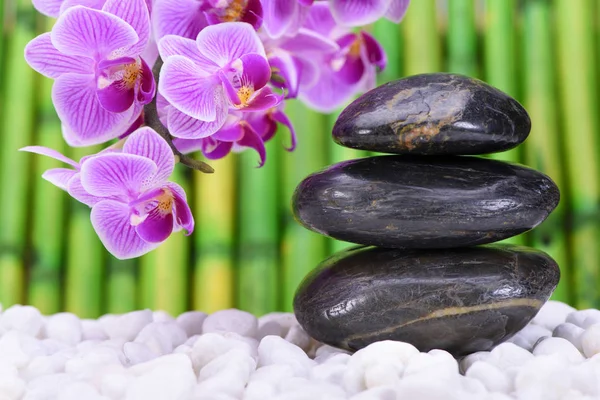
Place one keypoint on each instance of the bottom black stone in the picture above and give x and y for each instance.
(459, 300)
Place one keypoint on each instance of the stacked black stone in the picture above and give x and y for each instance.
(433, 281)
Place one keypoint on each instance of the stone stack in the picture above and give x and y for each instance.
(426, 273)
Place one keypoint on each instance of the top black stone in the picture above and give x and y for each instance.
(433, 114)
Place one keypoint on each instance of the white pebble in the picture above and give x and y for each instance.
(552, 314)
(18, 349)
(11, 385)
(377, 393)
(162, 316)
(590, 341)
(284, 320)
(296, 335)
(275, 350)
(79, 391)
(92, 330)
(64, 327)
(571, 332)
(161, 337)
(212, 345)
(529, 336)
(490, 376)
(555, 345)
(114, 385)
(583, 317)
(507, 355)
(23, 319)
(169, 381)
(191, 322)
(126, 326)
(259, 390)
(136, 353)
(240, 322)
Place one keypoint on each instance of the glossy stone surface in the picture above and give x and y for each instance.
(433, 114)
(424, 202)
(459, 300)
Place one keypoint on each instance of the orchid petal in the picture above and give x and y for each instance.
(287, 70)
(214, 149)
(45, 151)
(253, 140)
(115, 97)
(352, 70)
(178, 17)
(329, 94)
(157, 226)
(188, 89)
(183, 214)
(172, 45)
(82, 31)
(95, 4)
(76, 191)
(320, 20)
(397, 10)
(231, 133)
(263, 99)
(135, 13)
(43, 57)
(186, 146)
(225, 43)
(147, 143)
(374, 51)
(255, 70)
(50, 8)
(358, 12)
(117, 174)
(280, 117)
(307, 41)
(111, 220)
(59, 177)
(306, 2)
(253, 14)
(86, 121)
(147, 85)
(278, 16)
(183, 126)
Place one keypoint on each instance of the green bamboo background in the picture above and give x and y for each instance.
(247, 251)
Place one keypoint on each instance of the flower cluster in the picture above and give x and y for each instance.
(225, 69)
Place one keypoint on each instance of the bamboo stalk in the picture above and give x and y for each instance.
(85, 256)
(422, 51)
(17, 126)
(542, 147)
(258, 251)
(121, 286)
(47, 230)
(462, 38)
(214, 210)
(165, 269)
(390, 37)
(302, 249)
(579, 105)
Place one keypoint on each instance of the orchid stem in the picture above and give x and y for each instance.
(152, 120)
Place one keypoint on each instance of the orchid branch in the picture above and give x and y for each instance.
(152, 120)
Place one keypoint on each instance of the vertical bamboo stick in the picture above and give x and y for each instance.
(462, 38)
(165, 269)
(303, 250)
(85, 272)
(422, 51)
(17, 126)
(214, 210)
(579, 107)
(258, 252)
(390, 36)
(542, 147)
(121, 286)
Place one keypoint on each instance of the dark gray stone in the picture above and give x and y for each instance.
(433, 114)
(460, 300)
(424, 202)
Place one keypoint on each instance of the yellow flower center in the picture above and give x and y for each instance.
(244, 93)
(235, 11)
(165, 201)
(131, 73)
(355, 47)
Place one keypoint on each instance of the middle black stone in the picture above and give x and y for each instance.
(424, 202)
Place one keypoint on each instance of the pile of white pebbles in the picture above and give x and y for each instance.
(230, 354)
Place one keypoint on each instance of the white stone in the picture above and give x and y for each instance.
(571, 332)
(163, 382)
(162, 316)
(114, 385)
(126, 326)
(161, 337)
(275, 350)
(552, 314)
(490, 376)
(47, 387)
(45, 365)
(529, 336)
(136, 353)
(579, 317)
(555, 345)
(377, 393)
(296, 335)
(507, 355)
(272, 374)
(175, 361)
(258, 390)
(79, 391)
(86, 366)
(545, 375)
(240, 322)
(424, 388)
(212, 345)
(234, 361)
(284, 320)
(11, 385)
(268, 328)
(92, 330)
(64, 327)
(329, 372)
(18, 349)
(191, 322)
(467, 361)
(590, 341)
(23, 319)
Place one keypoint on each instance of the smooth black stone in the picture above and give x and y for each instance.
(433, 114)
(460, 300)
(424, 202)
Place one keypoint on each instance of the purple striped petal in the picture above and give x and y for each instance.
(45, 151)
(329, 93)
(253, 140)
(263, 99)
(189, 90)
(319, 19)
(147, 143)
(397, 10)
(178, 17)
(183, 126)
(50, 8)
(253, 14)
(135, 13)
(231, 133)
(183, 214)
(116, 174)
(358, 12)
(111, 220)
(255, 70)
(278, 16)
(307, 41)
(286, 73)
(214, 149)
(280, 117)
(77, 191)
(374, 51)
(86, 121)
(225, 43)
(172, 45)
(43, 57)
(158, 223)
(352, 70)
(188, 145)
(95, 4)
(147, 85)
(59, 177)
(82, 31)
(116, 97)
